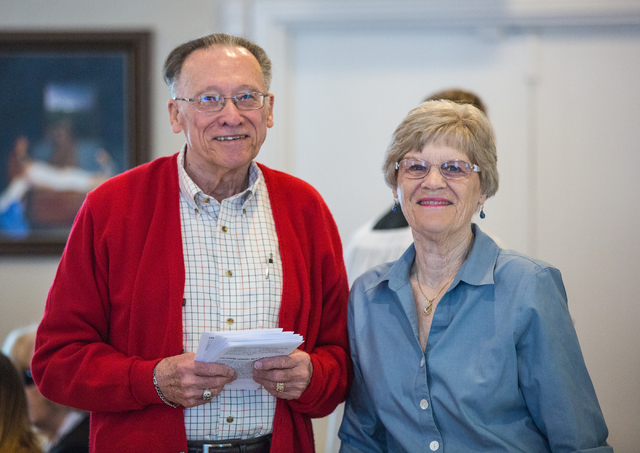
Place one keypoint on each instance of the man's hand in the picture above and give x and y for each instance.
(293, 371)
(182, 380)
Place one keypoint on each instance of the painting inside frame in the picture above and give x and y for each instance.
(74, 115)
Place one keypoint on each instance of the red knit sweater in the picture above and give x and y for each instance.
(115, 310)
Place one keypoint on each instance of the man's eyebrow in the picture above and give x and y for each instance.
(240, 89)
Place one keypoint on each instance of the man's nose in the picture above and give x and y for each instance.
(230, 113)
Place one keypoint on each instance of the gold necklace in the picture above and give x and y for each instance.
(427, 309)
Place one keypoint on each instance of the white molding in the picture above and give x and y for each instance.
(273, 24)
(347, 15)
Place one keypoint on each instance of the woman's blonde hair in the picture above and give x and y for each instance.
(460, 126)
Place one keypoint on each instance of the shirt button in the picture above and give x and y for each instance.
(197, 211)
(244, 211)
(424, 404)
(225, 229)
(422, 362)
(230, 321)
(206, 200)
(230, 420)
(434, 445)
(229, 273)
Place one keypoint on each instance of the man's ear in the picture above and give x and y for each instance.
(270, 100)
(175, 116)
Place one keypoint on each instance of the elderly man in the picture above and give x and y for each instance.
(204, 240)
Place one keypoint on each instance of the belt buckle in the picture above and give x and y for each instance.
(206, 447)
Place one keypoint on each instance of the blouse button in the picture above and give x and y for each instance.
(230, 321)
(424, 404)
(434, 445)
(225, 229)
(422, 362)
(229, 419)
(229, 273)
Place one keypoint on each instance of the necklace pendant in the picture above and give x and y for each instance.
(427, 310)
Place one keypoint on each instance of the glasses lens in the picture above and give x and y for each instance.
(209, 102)
(27, 378)
(414, 168)
(249, 101)
(455, 169)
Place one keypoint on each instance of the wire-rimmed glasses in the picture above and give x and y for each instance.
(206, 103)
(450, 169)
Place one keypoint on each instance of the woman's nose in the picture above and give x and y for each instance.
(434, 178)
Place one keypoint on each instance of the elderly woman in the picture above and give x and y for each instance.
(460, 345)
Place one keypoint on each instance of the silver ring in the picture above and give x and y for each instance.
(207, 395)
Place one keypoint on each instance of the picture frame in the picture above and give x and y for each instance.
(76, 112)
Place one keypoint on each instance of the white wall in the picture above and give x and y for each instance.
(559, 77)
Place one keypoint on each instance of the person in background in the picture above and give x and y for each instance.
(461, 345)
(385, 239)
(65, 429)
(16, 433)
(204, 240)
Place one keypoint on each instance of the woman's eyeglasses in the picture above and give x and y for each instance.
(451, 169)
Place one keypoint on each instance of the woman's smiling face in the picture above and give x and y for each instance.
(434, 205)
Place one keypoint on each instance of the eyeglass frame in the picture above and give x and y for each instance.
(224, 101)
(474, 168)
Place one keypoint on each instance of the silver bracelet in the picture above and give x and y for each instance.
(155, 382)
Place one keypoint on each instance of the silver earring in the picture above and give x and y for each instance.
(482, 214)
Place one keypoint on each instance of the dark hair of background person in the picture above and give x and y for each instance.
(175, 60)
(459, 96)
(16, 434)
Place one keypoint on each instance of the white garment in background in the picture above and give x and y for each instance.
(370, 247)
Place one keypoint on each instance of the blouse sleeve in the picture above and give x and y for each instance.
(553, 376)
(361, 429)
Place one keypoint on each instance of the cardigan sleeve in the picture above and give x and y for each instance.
(114, 309)
(315, 289)
(74, 365)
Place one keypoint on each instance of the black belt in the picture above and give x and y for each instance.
(255, 445)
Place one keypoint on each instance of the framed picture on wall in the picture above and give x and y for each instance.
(75, 113)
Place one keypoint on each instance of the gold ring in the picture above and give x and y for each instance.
(207, 395)
(280, 387)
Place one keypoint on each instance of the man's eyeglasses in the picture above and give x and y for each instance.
(451, 169)
(249, 100)
(27, 378)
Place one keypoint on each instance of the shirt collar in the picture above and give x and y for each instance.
(190, 190)
(476, 270)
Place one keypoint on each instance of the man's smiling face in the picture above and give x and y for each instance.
(227, 140)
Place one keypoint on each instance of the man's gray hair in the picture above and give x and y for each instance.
(175, 60)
